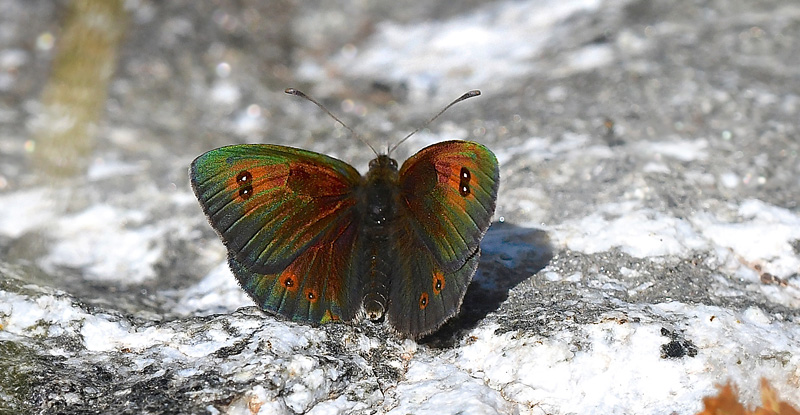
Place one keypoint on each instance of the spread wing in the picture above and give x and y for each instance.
(447, 195)
(287, 217)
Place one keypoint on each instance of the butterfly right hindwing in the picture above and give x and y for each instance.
(422, 294)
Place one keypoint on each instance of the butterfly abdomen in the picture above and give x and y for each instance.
(378, 218)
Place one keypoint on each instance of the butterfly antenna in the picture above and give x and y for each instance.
(292, 91)
(470, 94)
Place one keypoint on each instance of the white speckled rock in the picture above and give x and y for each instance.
(646, 245)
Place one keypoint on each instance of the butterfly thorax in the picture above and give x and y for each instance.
(380, 191)
(378, 207)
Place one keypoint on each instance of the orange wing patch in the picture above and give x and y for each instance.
(252, 179)
(289, 280)
(306, 179)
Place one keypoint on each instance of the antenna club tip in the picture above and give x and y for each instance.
(467, 95)
(292, 91)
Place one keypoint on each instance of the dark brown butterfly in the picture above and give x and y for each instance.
(311, 239)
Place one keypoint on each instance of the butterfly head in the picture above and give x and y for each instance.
(383, 162)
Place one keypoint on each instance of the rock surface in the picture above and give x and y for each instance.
(646, 244)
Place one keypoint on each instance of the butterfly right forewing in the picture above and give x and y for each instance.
(449, 189)
(269, 203)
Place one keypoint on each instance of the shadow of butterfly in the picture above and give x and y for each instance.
(311, 239)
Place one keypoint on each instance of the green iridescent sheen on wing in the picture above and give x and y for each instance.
(287, 217)
(419, 276)
(270, 203)
(319, 286)
(450, 189)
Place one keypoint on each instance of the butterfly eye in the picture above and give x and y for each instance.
(463, 185)
(393, 163)
(423, 301)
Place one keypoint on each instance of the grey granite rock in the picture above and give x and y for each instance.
(646, 244)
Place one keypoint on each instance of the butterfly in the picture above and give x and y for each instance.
(311, 239)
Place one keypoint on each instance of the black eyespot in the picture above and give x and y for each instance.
(243, 177)
(423, 301)
(463, 184)
(438, 283)
(245, 192)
